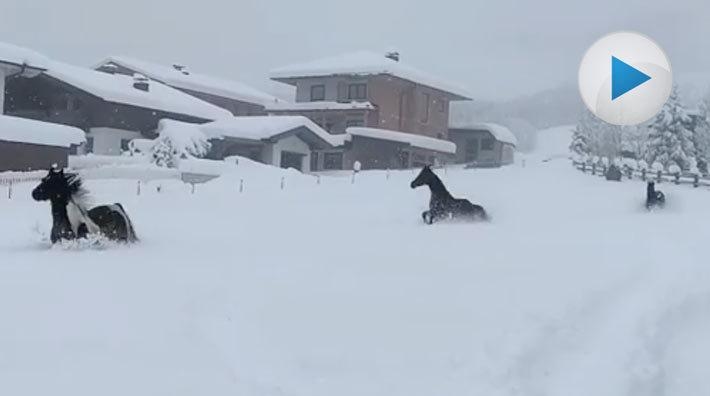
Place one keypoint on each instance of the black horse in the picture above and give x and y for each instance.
(654, 198)
(71, 218)
(442, 205)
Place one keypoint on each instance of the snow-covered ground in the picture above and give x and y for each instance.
(338, 289)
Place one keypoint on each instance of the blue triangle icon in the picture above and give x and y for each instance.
(625, 77)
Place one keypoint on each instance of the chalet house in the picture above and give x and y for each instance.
(284, 141)
(483, 144)
(27, 145)
(111, 109)
(238, 98)
(18, 62)
(369, 90)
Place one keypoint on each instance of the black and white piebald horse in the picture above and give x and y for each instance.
(70, 215)
(442, 205)
(654, 198)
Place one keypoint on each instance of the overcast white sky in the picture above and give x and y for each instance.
(495, 49)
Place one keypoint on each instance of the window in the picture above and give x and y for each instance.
(317, 92)
(442, 105)
(124, 144)
(333, 161)
(357, 91)
(314, 161)
(487, 144)
(89, 145)
(426, 99)
(354, 123)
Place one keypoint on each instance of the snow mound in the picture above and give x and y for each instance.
(22, 130)
(16, 55)
(425, 142)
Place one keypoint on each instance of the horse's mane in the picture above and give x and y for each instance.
(79, 194)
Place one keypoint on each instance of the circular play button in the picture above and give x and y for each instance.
(625, 78)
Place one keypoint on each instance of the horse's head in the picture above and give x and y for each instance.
(57, 185)
(426, 176)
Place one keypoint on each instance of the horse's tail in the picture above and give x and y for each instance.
(130, 231)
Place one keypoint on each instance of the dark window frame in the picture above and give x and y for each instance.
(354, 122)
(427, 104)
(333, 161)
(357, 91)
(317, 98)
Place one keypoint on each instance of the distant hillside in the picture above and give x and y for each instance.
(526, 115)
(558, 106)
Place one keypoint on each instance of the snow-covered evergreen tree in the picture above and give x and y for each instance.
(582, 135)
(701, 135)
(670, 139)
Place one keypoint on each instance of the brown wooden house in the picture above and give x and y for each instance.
(370, 90)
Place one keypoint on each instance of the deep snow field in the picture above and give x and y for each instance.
(338, 289)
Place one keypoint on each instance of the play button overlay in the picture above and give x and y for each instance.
(625, 78)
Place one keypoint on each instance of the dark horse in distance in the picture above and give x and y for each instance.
(442, 205)
(72, 219)
(654, 198)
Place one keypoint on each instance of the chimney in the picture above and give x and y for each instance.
(109, 68)
(181, 68)
(141, 82)
(394, 55)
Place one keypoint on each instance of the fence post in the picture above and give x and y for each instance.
(584, 167)
(677, 178)
(594, 169)
(387, 174)
(241, 186)
(603, 170)
(283, 182)
(696, 180)
(158, 188)
(9, 190)
(659, 176)
(318, 179)
(138, 188)
(193, 188)
(643, 174)
(352, 181)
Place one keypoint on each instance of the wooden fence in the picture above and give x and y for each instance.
(643, 174)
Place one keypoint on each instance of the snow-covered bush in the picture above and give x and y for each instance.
(629, 163)
(642, 164)
(657, 166)
(674, 169)
(178, 140)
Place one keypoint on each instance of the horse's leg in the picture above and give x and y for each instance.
(82, 231)
(426, 216)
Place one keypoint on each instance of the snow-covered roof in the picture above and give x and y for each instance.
(193, 81)
(365, 63)
(119, 89)
(501, 133)
(263, 127)
(15, 55)
(319, 106)
(23, 130)
(420, 141)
